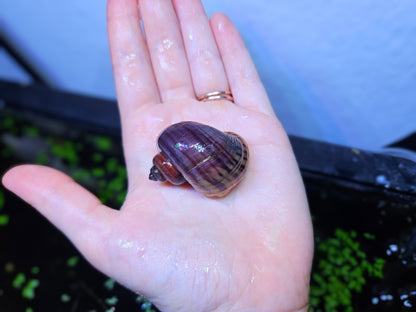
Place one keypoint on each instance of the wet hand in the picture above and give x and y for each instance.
(249, 251)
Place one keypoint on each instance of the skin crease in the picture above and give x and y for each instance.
(249, 251)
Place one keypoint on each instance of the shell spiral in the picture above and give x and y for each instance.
(212, 161)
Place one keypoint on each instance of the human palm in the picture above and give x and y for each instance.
(248, 251)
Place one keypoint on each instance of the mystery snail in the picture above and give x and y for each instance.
(212, 161)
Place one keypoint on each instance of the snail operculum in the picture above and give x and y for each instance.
(163, 170)
(213, 162)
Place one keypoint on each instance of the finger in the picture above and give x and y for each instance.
(248, 91)
(133, 74)
(207, 69)
(166, 49)
(71, 208)
(135, 83)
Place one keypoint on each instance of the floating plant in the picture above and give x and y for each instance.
(341, 270)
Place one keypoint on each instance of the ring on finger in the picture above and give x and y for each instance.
(217, 95)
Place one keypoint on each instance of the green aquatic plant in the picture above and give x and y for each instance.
(103, 143)
(4, 219)
(112, 301)
(28, 290)
(66, 151)
(1, 199)
(146, 305)
(341, 270)
(109, 284)
(72, 262)
(27, 286)
(65, 298)
(92, 160)
(31, 131)
(19, 280)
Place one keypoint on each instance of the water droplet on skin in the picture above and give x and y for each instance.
(128, 81)
(165, 60)
(221, 26)
(141, 251)
(125, 244)
(131, 56)
(167, 44)
(128, 64)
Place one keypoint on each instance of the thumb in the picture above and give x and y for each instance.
(69, 206)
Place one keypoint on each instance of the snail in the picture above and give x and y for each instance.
(211, 161)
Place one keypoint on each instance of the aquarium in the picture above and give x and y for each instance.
(363, 206)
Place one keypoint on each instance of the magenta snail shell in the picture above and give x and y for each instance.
(212, 161)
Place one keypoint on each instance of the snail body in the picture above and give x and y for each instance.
(211, 161)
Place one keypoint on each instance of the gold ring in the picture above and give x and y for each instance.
(217, 95)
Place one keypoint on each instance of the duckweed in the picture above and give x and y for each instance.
(109, 284)
(73, 261)
(111, 301)
(19, 280)
(66, 151)
(28, 290)
(35, 270)
(65, 298)
(146, 305)
(1, 199)
(4, 219)
(98, 172)
(342, 271)
(103, 143)
(97, 157)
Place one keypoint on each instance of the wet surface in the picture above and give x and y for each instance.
(41, 271)
(392, 225)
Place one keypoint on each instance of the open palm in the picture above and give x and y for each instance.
(248, 251)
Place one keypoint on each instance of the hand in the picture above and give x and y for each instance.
(249, 251)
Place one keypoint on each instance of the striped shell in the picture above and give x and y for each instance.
(213, 162)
